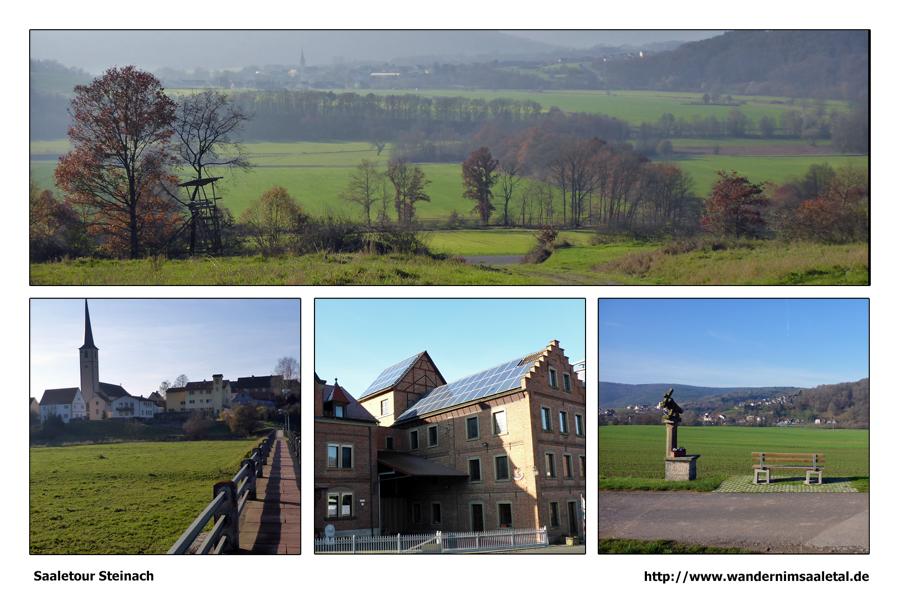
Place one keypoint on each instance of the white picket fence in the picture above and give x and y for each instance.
(437, 542)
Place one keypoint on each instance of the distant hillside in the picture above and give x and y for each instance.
(839, 404)
(804, 63)
(615, 395)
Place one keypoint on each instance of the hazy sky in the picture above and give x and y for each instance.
(96, 51)
(357, 339)
(732, 343)
(143, 342)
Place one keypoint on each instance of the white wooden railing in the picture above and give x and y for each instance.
(437, 542)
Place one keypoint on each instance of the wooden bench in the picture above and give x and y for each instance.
(764, 462)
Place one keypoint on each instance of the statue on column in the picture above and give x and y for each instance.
(671, 410)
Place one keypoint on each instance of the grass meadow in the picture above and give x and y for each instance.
(128, 498)
(631, 456)
(316, 173)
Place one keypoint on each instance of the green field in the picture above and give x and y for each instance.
(633, 106)
(764, 263)
(631, 456)
(128, 498)
(317, 172)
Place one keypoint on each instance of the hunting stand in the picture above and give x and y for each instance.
(205, 218)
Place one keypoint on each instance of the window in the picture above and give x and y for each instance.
(504, 514)
(563, 422)
(414, 439)
(567, 382)
(435, 513)
(567, 466)
(550, 465)
(553, 382)
(389, 443)
(474, 469)
(579, 425)
(554, 514)
(499, 420)
(339, 411)
(340, 505)
(340, 457)
(501, 467)
(416, 512)
(546, 425)
(582, 465)
(333, 450)
(432, 436)
(472, 428)
(385, 407)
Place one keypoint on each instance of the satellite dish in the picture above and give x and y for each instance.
(329, 531)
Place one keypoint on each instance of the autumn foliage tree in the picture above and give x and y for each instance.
(55, 229)
(272, 219)
(121, 156)
(479, 176)
(736, 207)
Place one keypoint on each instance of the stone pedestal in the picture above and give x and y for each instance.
(671, 438)
(682, 468)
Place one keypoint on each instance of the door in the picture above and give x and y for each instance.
(477, 517)
(573, 519)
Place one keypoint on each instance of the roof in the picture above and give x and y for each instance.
(88, 332)
(254, 381)
(390, 376)
(58, 396)
(490, 382)
(112, 391)
(352, 408)
(409, 464)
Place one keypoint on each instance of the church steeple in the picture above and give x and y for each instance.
(88, 334)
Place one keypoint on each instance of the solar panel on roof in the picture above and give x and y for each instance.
(391, 375)
(502, 378)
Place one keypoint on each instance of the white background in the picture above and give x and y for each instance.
(438, 577)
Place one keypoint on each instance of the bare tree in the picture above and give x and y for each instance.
(287, 367)
(409, 183)
(181, 381)
(164, 386)
(509, 181)
(206, 124)
(479, 176)
(365, 188)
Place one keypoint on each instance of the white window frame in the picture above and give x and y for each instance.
(494, 423)
(579, 425)
(563, 422)
(546, 424)
(386, 407)
(552, 378)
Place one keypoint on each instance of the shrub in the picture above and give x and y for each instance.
(545, 238)
(242, 420)
(197, 426)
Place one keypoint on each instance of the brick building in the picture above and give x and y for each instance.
(502, 448)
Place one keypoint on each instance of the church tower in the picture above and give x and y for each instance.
(89, 362)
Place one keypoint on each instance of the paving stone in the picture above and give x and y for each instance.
(744, 484)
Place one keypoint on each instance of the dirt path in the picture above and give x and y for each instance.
(788, 522)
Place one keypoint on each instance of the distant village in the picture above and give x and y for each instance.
(763, 412)
(96, 400)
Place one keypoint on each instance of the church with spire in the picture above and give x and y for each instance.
(94, 399)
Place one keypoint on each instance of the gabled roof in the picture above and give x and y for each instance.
(58, 396)
(393, 374)
(111, 391)
(490, 382)
(254, 381)
(352, 408)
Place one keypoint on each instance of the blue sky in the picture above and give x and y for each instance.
(357, 339)
(143, 342)
(734, 342)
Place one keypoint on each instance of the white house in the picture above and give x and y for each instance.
(131, 407)
(65, 403)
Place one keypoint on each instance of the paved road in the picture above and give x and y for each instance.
(271, 523)
(788, 522)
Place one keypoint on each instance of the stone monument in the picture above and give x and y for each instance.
(680, 466)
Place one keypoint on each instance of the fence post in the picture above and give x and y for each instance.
(353, 544)
(230, 511)
(440, 540)
(251, 476)
(398, 543)
(477, 545)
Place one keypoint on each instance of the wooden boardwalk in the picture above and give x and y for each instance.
(271, 523)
